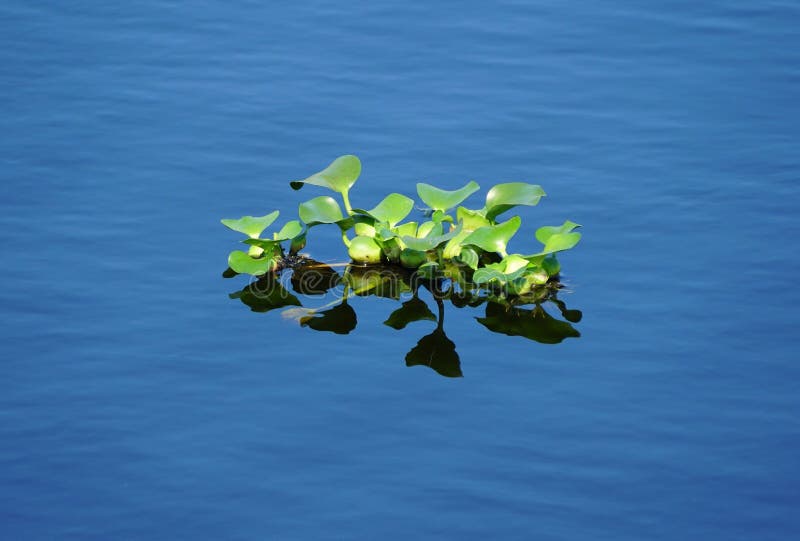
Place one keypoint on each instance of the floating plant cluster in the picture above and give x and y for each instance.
(467, 246)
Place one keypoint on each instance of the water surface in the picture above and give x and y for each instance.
(139, 402)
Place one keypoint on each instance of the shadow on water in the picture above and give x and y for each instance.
(513, 316)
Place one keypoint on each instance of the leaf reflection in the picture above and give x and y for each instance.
(522, 316)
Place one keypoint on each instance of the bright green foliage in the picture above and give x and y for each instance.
(547, 231)
(244, 264)
(391, 210)
(339, 176)
(494, 238)
(320, 210)
(252, 226)
(439, 199)
(503, 197)
(470, 247)
(364, 250)
(289, 231)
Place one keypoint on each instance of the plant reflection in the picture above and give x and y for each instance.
(523, 316)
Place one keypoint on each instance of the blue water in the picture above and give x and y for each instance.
(137, 401)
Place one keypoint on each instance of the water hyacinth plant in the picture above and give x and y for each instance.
(466, 245)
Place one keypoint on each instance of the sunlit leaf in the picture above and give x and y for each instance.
(252, 226)
(494, 238)
(431, 241)
(560, 242)
(453, 247)
(544, 233)
(407, 229)
(557, 242)
(365, 230)
(439, 199)
(320, 210)
(469, 257)
(244, 264)
(505, 196)
(289, 231)
(391, 210)
(471, 219)
(429, 229)
(259, 247)
(512, 263)
(485, 275)
(412, 310)
(339, 176)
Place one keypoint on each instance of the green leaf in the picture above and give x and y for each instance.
(252, 226)
(411, 311)
(439, 199)
(244, 264)
(472, 219)
(431, 241)
(320, 210)
(512, 263)
(339, 176)
(289, 231)
(391, 210)
(408, 229)
(505, 196)
(484, 275)
(469, 257)
(364, 230)
(544, 233)
(453, 246)
(494, 238)
(429, 228)
(265, 245)
(557, 242)
(560, 242)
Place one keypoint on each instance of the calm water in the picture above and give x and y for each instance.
(137, 401)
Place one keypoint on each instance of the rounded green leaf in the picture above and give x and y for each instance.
(339, 176)
(266, 245)
(391, 210)
(408, 229)
(544, 233)
(439, 199)
(320, 210)
(364, 250)
(560, 242)
(429, 228)
(512, 263)
(289, 231)
(469, 257)
(431, 241)
(411, 259)
(365, 230)
(252, 226)
(244, 264)
(510, 194)
(484, 275)
(494, 238)
(472, 219)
